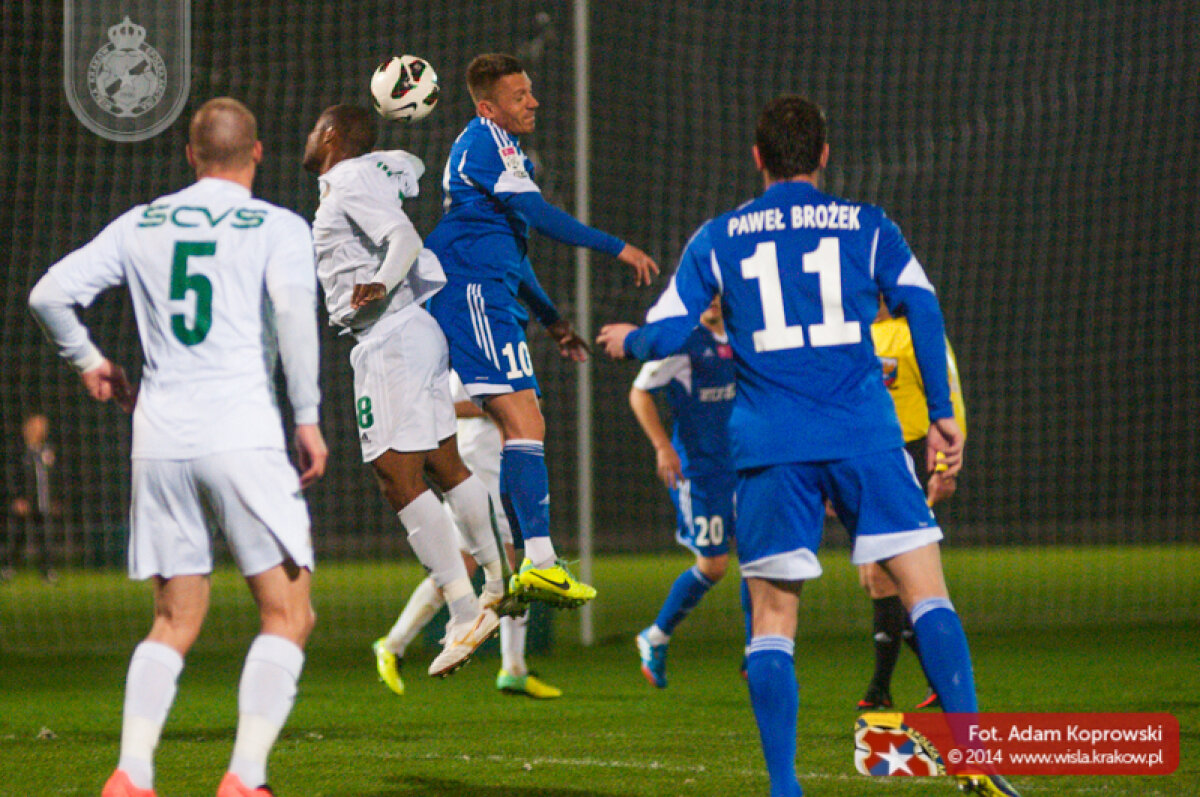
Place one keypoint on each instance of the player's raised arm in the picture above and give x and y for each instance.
(643, 265)
(504, 100)
(565, 228)
(677, 311)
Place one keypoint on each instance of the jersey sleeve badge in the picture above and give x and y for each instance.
(513, 161)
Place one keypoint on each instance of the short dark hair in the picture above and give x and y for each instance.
(356, 125)
(484, 70)
(790, 136)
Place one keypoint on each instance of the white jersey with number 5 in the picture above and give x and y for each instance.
(202, 266)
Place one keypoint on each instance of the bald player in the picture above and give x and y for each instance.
(214, 274)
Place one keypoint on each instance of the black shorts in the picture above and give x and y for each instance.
(916, 450)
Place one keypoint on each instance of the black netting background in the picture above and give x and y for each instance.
(1041, 158)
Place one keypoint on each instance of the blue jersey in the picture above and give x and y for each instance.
(479, 237)
(800, 273)
(699, 383)
(490, 203)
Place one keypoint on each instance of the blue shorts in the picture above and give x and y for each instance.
(487, 343)
(781, 512)
(704, 513)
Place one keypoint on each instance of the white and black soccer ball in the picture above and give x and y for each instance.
(404, 88)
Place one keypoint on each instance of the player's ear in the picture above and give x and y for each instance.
(486, 109)
(256, 153)
(824, 155)
(191, 157)
(758, 161)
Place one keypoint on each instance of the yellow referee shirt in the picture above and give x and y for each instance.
(894, 347)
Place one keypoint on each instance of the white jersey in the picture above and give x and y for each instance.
(362, 202)
(202, 266)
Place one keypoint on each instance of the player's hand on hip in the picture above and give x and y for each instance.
(311, 452)
(644, 267)
(107, 382)
(668, 466)
(570, 345)
(612, 339)
(947, 439)
(366, 293)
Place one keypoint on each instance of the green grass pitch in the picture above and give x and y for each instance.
(1051, 630)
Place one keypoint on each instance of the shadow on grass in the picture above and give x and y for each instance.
(423, 786)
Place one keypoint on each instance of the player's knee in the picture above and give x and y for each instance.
(527, 426)
(294, 622)
(310, 622)
(448, 470)
(518, 415)
(713, 567)
(177, 629)
(400, 487)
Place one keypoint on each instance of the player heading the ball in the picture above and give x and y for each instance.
(491, 201)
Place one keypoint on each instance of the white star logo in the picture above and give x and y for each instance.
(896, 761)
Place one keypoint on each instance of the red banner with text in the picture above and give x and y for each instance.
(1016, 744)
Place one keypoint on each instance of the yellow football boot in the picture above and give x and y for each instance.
(529, 685)
(554, 586)
(388, 666)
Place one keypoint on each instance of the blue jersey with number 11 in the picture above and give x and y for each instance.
(800, 273)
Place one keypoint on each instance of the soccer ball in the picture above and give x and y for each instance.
(404, 88)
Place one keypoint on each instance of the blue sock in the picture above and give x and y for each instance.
(514, 522)
(685, 593)
(523, 472)
(945, 654)
(775, 696)
(747, 612)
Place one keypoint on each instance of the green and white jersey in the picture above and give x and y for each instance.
(362, 207)
(215, 276)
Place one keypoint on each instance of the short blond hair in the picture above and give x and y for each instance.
(222, 134)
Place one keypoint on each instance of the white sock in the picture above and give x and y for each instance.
(461, 600)
(512, 644)
(540, 551)
(149, 692)
(422, 605)
(265, 696)
(493, 578)
(468, 502)
(656, 635)
(431, 535)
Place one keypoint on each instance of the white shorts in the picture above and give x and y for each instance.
(402, 385)
(480, 445)
(252, 496)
